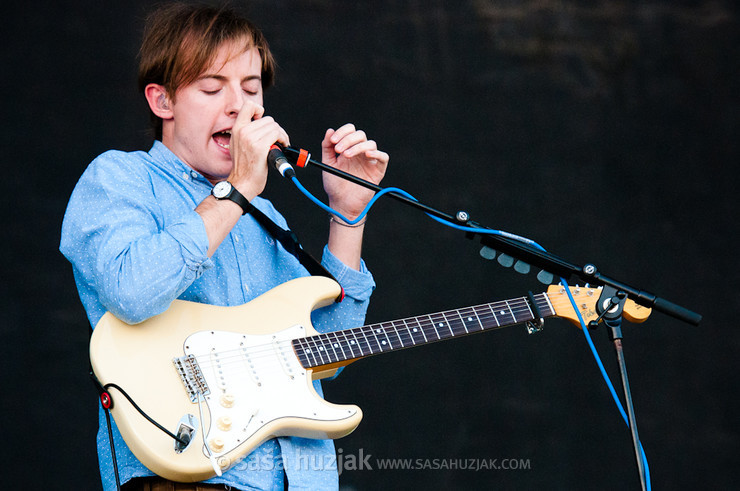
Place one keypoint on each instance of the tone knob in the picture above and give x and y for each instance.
(224, 423)
(216, 444)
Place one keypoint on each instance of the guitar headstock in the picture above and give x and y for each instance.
(586, 298)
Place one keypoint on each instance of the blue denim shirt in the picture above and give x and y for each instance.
(136, 243)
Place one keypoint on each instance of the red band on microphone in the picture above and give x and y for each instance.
(303, 157)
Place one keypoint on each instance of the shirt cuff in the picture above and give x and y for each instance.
(357, 284)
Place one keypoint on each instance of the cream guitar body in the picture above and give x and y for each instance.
(237, 361)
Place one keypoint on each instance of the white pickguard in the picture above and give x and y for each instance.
(254, 380)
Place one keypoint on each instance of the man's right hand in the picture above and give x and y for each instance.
(251, 138)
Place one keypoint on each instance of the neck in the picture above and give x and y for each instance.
(335, 349)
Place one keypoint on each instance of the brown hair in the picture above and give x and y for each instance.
(181, 41)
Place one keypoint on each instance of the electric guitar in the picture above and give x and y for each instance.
(225, 379)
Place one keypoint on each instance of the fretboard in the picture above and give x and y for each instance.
(359, 342)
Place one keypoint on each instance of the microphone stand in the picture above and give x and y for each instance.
(514, 247)
(610, 305)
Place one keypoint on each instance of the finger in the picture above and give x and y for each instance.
(359, 148)
(350, 140)
(266, 128)
(342, 132)
(283, 137)
(249, 111)
(379, 156)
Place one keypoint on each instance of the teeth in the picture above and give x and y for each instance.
(224, 132)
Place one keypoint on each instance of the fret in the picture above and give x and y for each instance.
(300, 352)
(329, 347)
(511, 313)
(502, 314)
(371, 337)
(470, 320)
(429, 329)
(462, 321)
(530, 310)
(493, 314)
(408, 329)
(404, 335)
(317, 350)
(548, 304)
(393, 337)
(338, 344)
(457, 326)
(350, 343)
(310, 356)
(358, 341)
(439, 324)
(384, 340)
(418, 331)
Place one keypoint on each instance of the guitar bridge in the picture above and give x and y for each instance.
(192, 377)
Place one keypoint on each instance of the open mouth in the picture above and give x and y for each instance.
(222, 138)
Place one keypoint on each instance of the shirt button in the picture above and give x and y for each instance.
(193, 174)
(185, 176)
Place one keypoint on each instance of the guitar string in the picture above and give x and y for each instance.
(362, 335)
(426, 323)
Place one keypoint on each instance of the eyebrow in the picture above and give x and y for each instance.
(221, 78)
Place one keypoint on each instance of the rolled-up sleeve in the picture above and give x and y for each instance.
(133, 260)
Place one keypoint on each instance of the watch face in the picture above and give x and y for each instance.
(221, 189)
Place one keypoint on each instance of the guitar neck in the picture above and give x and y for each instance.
(342, 347)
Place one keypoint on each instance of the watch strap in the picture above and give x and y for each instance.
(238, 198)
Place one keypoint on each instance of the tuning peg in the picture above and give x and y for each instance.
(521, 267)
(505, 261)
(488, 253)
(545, 277)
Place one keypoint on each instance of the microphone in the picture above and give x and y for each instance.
(277, 159)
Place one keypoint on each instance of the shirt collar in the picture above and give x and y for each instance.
(163, 156)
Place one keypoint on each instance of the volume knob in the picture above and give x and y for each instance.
(227, 400)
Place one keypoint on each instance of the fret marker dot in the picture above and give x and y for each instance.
(502, 312)
(415, 329)
(321, 348)
(336, 345)
(470, 319)
(382, 342)
(441, 324)
(351, 342)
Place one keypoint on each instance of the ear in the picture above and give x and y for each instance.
(159, 101)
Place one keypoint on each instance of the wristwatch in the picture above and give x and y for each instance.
(224, 190)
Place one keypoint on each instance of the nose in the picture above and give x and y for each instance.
(234, 101)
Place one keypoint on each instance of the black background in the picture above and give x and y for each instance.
(605, 131)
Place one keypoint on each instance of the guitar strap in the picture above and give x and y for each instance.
(289, 240)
